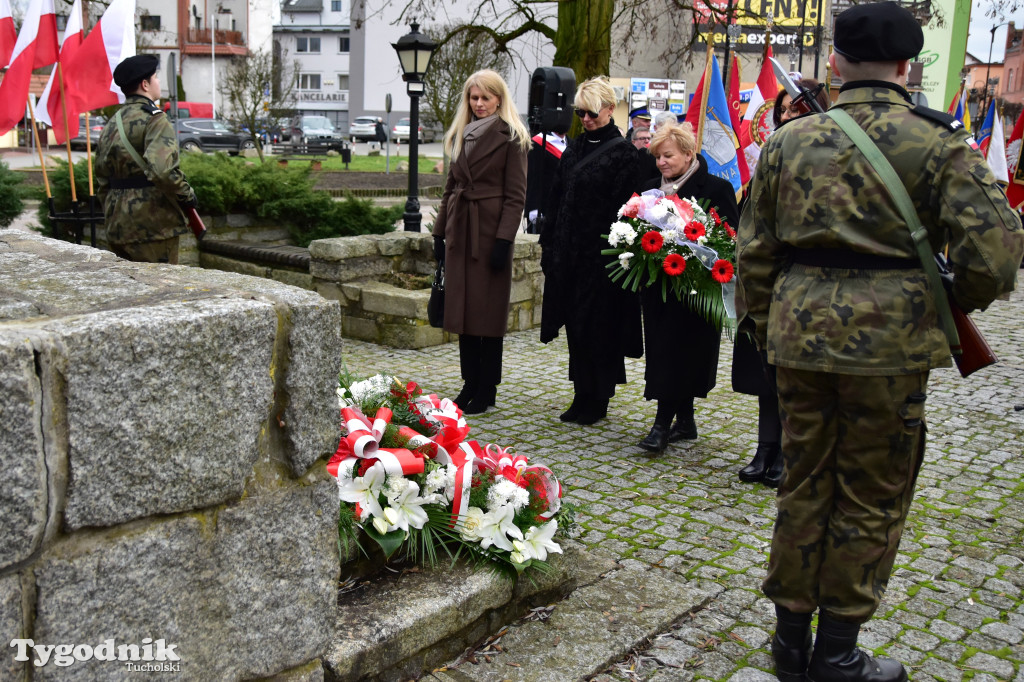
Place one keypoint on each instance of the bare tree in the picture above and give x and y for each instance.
(452, 63)
(259, 91)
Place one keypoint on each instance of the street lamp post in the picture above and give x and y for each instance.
(414, 51)
(988, 70)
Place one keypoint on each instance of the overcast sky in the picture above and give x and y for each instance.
(981, 32)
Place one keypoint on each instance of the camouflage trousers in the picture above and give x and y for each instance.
(852, 446)
(161, 251)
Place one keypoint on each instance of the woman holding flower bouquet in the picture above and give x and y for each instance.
(681, 343)
(476, 225)
(596, 174)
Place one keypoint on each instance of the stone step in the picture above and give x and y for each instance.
(589, 630)
(396, 625)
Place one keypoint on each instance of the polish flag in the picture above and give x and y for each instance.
(8, 36)
(36, 47)
(757, 122)
(50, 109)
(996, 153)
(108, 44)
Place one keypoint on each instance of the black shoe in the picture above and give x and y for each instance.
(592, 411)
(754, 472)
(465, 395)
(836, 657)
(573, 411)
(683, 429)
(656, 440)
(791, 644)
(773, 476)
(479, 403)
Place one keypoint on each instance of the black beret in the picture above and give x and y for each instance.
(134, 70)
(877, 32)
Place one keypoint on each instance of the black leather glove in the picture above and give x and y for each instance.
(500, 254)
(439, 249)
(189, 203)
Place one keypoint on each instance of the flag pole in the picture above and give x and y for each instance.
(67, 134)
(88, 151)
(704, 94)
(39, 149)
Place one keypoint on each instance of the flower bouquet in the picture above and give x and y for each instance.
(684, 246)
(409, 478)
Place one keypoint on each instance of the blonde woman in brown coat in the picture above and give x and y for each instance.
(476, 225)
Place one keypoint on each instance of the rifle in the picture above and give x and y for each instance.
(803, 99)
(974, 351)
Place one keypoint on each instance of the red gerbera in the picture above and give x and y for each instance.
(652, 241)
(674, 265)
(714, 216)
(729, 231)
(694, 230)
(722, 271)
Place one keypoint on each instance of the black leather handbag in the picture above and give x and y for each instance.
(435, 308)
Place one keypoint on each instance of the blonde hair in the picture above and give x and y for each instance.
(594, 94)
(681, 134)
(491, 82)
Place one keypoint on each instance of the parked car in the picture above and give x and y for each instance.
(209, 135)
(309, 128)
(96, 124)
(362, 128)
(400, 132)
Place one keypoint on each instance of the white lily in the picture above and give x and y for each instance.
(406, 508)
(365, 490)
(538, 543)
(496, 527)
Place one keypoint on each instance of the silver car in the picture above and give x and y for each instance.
(363, 128)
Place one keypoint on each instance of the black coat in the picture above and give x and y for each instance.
(378, 132)
(582, 205)
(682, 347)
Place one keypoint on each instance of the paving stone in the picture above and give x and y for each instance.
(1000, 668)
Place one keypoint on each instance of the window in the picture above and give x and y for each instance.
(309, 81)
(149, 22)
(307, 45)
(335, 5)
(343, 44)
(343, 81)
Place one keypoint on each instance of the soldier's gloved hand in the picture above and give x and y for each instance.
(499, 254)
(191, 202)
(439, 249)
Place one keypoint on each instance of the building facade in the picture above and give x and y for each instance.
(313, 36)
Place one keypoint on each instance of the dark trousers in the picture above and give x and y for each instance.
(853, 446)
(480, 360)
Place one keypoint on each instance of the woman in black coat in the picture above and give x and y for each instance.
(681, 345)
(596, 176)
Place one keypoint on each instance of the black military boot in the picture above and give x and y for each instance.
(754, 472)
(836, 657)
(791, 645)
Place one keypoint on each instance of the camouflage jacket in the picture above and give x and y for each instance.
(813, 189)
(141, 214)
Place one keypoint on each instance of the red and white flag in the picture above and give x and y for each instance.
(51, 107)
(8, 36)
(996, 154)
(1014, 171)
(36, 47)
(108, 44)
(757, 122)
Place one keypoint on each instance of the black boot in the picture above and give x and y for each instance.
(469, 363)
(656, 440)
(592, 411)
(573, 411)
(836, 657)
(773, 476)
(791, 645)
(685, 428)
(490, 376)
(754, 472)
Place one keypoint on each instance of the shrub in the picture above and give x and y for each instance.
(265, 190)
(11, 195)
(60, 188)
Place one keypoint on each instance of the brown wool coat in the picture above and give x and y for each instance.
(483, 201)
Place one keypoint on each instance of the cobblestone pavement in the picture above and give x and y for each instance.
(954, 609)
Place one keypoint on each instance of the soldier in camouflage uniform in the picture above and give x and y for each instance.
(834, 292)
(143, 207)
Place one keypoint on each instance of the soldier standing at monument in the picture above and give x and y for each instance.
(836, 295)
(141, 188)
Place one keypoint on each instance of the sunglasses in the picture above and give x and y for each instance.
(583, 113)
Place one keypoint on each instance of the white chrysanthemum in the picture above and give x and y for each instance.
(504, 492)
(624, 260)
(620, 233)
(658, 212)
(373, 390)
(436, 479)
(397, 486)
